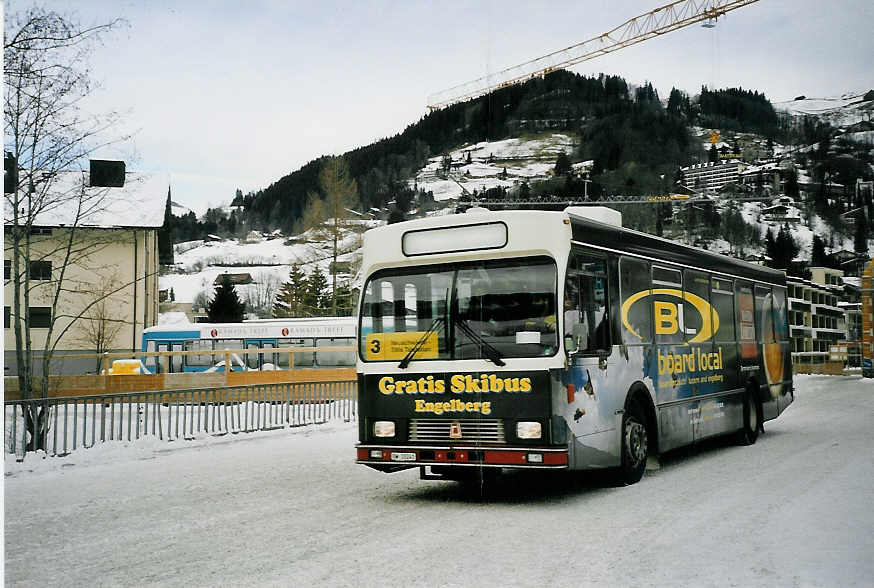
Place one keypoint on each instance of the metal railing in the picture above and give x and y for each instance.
(59, 426)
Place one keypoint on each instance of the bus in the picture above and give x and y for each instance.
(559, 340)
(258, 338)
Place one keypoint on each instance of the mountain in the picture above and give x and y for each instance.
(620, 124)
(566, 136)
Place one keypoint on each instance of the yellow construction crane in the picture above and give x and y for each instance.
(664, 19)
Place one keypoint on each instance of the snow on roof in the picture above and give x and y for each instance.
(70, 201)
(173, 318)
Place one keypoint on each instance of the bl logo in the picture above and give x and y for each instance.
(670, 316)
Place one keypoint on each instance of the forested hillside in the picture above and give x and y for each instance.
(635, 141)
(618, 125)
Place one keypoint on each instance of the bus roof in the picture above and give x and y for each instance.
(477, 234)
(270, 328)
(628, 241)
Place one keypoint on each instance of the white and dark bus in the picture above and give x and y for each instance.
(257, 341)
(532, 339)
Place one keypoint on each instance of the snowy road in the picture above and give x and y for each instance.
(291, 508)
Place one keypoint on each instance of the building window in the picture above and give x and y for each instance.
(40, 317)
(40, 270)
(7, 269)
(40, 231)
(7, 313)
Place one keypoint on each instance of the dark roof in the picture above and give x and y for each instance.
(244, 278)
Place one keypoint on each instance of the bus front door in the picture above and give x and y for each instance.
(259, 354)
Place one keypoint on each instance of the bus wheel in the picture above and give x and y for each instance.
(749, 432)
(635, 444)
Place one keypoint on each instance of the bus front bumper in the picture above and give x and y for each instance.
(393, 458)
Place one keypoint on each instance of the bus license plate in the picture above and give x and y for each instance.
(403, 456)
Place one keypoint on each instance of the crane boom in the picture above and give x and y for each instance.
(656, 22)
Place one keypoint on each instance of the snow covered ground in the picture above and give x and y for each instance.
(291, 508)
(848, 109)
(267, 260)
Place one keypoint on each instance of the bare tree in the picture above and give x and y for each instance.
(47, 134)
(259, 295)
(101, 327)
(340, 192)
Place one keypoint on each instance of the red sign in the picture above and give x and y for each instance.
(285, 331)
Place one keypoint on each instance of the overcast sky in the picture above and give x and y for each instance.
(230, 94)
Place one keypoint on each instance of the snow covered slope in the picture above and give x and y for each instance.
(493, 164)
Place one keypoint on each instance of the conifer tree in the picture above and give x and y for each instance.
(290, 298)
(225, 306)
(770, 247)
(317, 297)
(345, 300)
(782, 249)
(818, 257)
(562, 165)
(165, 239)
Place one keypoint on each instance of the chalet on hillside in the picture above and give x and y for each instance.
(236, 279)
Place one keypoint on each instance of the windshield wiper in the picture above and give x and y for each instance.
(491, 353)
(420, 343)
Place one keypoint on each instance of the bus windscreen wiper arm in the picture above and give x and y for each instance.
(420, 343)
(493, 354)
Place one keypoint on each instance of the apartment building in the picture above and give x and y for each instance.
(92, 269)
(710, 177)
(818, 315)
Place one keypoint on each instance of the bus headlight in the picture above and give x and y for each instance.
(384, 429)
(528, 430)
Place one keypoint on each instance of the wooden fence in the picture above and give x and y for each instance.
(108, 383)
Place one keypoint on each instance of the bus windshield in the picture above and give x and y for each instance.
(474, 310)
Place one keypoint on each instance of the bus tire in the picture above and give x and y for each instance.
(635, 444)
(749, 431)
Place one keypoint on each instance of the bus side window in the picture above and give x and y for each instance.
(722, 299)
(150, 359)
(746, 329)
(163, 361)
(781, 326)
(694, 322)
(764, 315)
(335, 358)
(198, 360)
(585, 316)
(282, 358)
(304, 359)
(252, 355)
(636, 303)
(667, 287)
(176, 360)
(267, 357)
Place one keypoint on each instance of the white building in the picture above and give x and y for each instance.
(710, 177)
(96, 249)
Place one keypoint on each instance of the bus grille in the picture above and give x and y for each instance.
(480, 431)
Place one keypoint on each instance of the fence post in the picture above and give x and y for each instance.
(105, 371)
